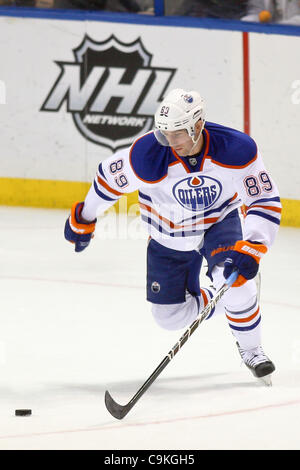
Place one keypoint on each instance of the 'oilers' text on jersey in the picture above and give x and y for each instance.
(182, 197)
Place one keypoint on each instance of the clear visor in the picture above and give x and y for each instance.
(173, 137)
(161, 138)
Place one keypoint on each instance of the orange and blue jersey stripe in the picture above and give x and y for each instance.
(267, 208)
(196, 225)
(103, 189)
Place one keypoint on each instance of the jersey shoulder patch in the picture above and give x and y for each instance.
(149, 159)
(229, 147)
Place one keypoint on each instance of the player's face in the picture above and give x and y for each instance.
(180, 141)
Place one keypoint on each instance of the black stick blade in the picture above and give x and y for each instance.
(116, 410)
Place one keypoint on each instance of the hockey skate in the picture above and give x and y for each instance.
(259, 364)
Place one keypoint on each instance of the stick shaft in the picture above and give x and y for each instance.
(183, 339)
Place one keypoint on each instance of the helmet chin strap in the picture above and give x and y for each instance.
(195, 142)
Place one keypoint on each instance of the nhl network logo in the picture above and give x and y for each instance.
(110, 89)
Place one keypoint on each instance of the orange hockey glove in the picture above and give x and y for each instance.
(245, 257)
(77, 230)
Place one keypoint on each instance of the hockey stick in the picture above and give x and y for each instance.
(119, 411)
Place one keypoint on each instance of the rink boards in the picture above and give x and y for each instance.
(73, 91)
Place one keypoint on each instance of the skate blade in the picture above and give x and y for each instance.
(266, 380)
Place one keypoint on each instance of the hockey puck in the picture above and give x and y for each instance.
(22, 412)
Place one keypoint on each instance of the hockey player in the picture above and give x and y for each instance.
(193, 177)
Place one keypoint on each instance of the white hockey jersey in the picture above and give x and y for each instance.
(182, 197)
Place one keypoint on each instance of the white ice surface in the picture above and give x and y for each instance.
(73, 325)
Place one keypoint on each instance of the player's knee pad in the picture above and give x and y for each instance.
(241, 309)
(235, 298)
(176, 316)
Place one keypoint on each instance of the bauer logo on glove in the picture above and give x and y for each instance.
(245, 257)
(79, 231)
